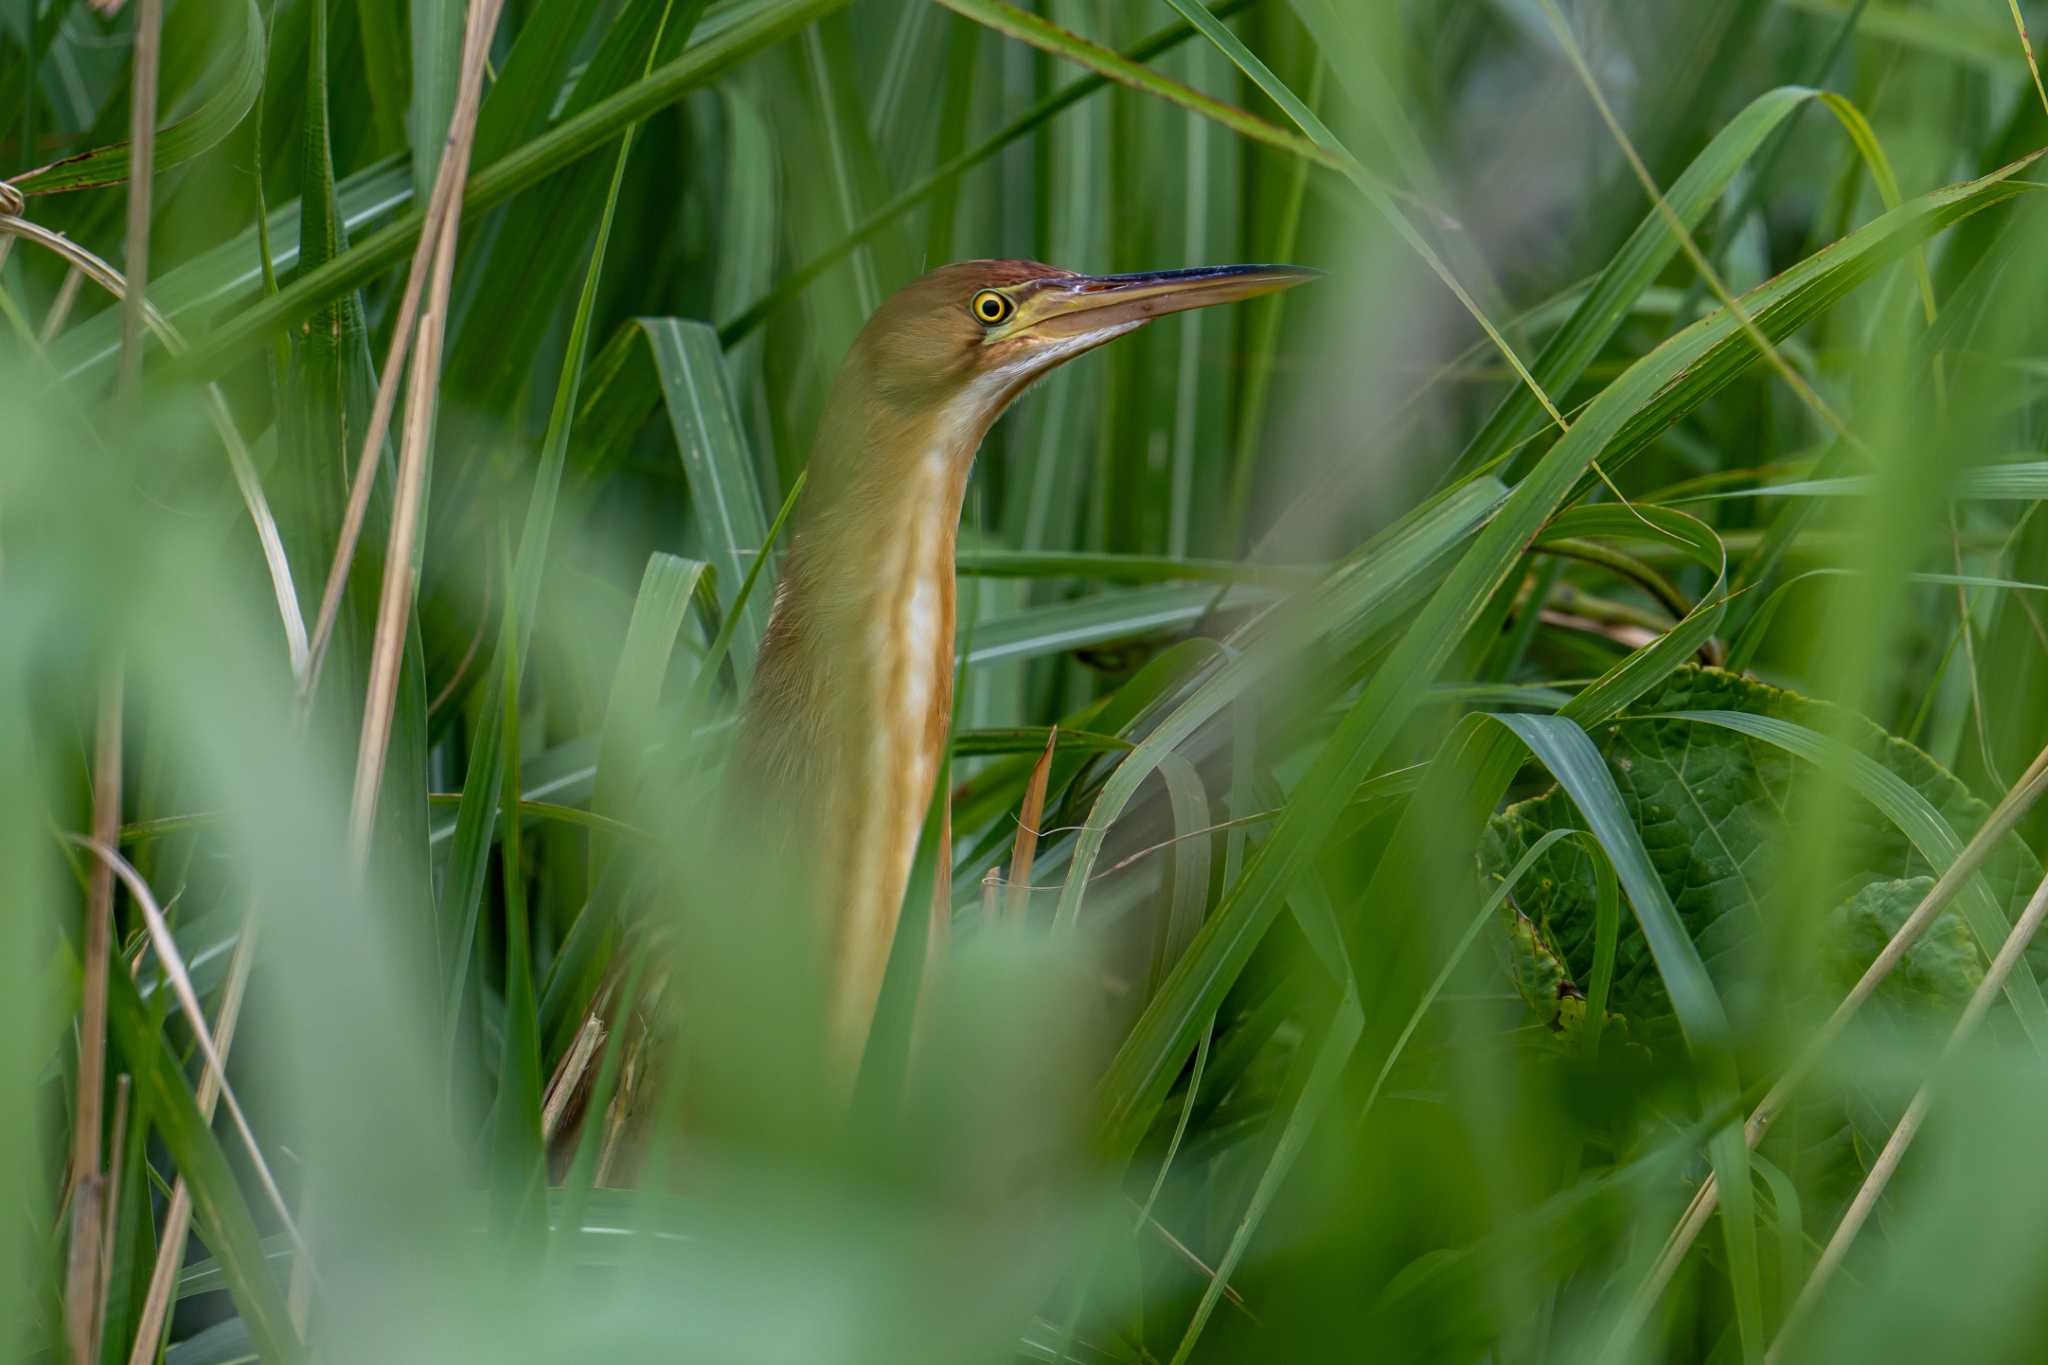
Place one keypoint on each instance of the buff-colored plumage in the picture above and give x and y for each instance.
(847, 719)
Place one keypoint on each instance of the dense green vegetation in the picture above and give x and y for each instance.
(1493, 799)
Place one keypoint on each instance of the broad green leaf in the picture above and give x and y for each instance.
(1703, 765)
(1568, 753)
(386, 69)
(667, 588)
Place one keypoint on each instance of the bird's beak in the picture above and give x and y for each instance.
(1109, 304)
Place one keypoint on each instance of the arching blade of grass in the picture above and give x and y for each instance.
(1648, 250)
(1652, 393)
(1565, 750)
(232, 84)
(1114, 614)
(1355, 593)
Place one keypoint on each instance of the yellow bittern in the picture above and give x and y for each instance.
(848, 716)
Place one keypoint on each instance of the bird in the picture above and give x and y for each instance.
(844, 728)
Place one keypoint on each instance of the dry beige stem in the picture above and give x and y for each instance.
(569, 1075)
(394, 608)
(170, 1255)
(444, 212)
(1894, 1152)
(60, 307)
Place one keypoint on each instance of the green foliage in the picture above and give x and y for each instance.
(1501, 699)
(1713, 806)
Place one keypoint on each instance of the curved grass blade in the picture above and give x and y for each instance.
(233, 82)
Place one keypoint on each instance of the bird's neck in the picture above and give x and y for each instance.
(869, 581)
(852, 694)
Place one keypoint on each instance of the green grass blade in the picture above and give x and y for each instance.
(1565, 750)
(758, 26)
(232, 84)
(725, 495)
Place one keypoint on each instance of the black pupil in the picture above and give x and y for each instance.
(991, 307)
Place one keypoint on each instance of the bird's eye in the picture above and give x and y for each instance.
(991, 308)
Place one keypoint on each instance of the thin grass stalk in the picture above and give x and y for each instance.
(60, 307)
(170, 1254)
(149, 25)
(1894, 1152)
(444, 200)
(394, 603)
(394, 607)
(81, 1290)
(2001, 822)
(2019, 24)
(1700, 263)
(111, 1206)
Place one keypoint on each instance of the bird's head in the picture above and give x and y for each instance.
(972, 336)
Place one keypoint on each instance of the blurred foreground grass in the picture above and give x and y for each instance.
(1507, 698)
